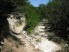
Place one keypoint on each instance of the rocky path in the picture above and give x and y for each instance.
(37, 41)
(41, 41)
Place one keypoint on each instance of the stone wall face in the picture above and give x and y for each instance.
(16, 23)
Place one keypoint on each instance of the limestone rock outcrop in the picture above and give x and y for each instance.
(16, 22)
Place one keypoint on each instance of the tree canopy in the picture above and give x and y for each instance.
(56, 11)
(57, 14)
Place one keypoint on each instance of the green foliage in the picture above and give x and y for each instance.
(57, 13)
(19, 2)
(5, 9)
(32, 18)
(17, 43)
(42, 9)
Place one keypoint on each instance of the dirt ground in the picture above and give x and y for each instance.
(10, 46)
